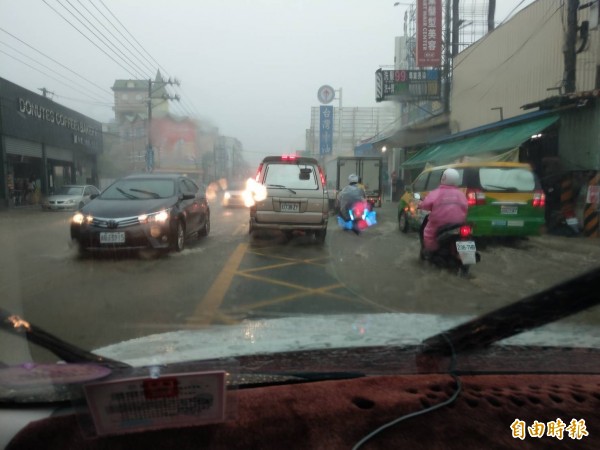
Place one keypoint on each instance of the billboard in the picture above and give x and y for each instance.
(326, 130)
(429, 33)
(407, 85)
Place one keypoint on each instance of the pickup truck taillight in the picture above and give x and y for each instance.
(475, 197)
(539, 199)
(322, 175)
(257, 177)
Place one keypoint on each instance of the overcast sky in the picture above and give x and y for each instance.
(250, 67)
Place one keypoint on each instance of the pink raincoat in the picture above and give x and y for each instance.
(448, 204)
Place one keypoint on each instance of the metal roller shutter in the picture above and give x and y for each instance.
(25, 148)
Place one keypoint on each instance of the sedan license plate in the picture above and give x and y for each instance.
(466, 251)
(112, 238)
(290, 207)
(509, 210)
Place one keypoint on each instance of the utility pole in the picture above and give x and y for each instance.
(570, 56)
(447, 63)
(45, 91)
(166, 97)
(491, 15)
(340, 123)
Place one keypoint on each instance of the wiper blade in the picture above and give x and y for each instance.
(539, 309)
(127, 194)
(281, 187)
(150, 193)
(64, 350)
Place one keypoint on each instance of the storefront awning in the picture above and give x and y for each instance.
(397, 135)
(494, 141)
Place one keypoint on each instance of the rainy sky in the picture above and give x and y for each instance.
(251, 68)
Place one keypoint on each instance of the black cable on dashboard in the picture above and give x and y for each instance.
(451, 372)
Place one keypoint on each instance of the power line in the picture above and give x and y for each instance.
(133, 37)
(44, 66)
(133, 54)
(44, 73)
(116, 52)
(92, 42)
(56, 62)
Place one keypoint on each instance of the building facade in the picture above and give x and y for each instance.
(357, 124)
(537, 74)
(43, 145)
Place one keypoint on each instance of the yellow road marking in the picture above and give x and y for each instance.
(272, 266)
(207, 308)
(296, 295)
(295, 260)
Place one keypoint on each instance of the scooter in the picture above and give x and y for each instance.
(357, 218)
(456, 251)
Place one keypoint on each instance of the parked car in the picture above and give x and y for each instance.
(233, 195)
(157, 211)
(296, 197)
(70, 197)
(505, 198)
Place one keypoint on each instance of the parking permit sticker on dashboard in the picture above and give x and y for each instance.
(146, 403)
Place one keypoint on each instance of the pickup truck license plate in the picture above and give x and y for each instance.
(112, 238)
(466, 251)
(509, 210)
(290, 207)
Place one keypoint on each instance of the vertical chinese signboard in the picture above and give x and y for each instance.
(429, 33)
(326, 130)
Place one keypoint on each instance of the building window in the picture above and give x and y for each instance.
(138, 97)
(597, 77)
(124, 97)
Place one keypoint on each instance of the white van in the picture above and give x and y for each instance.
(296, 197)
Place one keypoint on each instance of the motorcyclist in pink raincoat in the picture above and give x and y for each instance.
(448, 204)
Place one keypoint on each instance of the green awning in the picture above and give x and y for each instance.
(486, 142)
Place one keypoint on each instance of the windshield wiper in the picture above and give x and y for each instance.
(67, 352)
(150, 193)
(281, 187)
(501, 188)
(539, 309)
(127, 194)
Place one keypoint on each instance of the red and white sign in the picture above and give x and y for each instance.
(429, 33)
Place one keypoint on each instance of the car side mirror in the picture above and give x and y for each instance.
(93, 196)
(188, 196)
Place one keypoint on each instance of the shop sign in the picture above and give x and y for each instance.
(57, 118)
(407, 85)
(429, 33)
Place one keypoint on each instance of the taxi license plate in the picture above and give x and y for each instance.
(112, 238)
(509, 210)
(290, 207)
(466, 251)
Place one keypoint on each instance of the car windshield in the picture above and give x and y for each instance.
(290, 176)
(494, 179)
(69, 190)
(139, 188)
(338, 121)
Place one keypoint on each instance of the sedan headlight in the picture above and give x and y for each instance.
(79, 219)
(160, 217)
